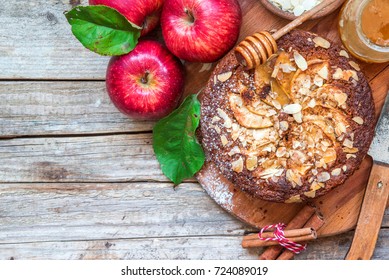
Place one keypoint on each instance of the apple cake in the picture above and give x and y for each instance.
(293, 128)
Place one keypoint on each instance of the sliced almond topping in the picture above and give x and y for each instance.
(292, 108)
(275, 71)
(224, 140)
(224, 76)
(354, 65)
(329, 155)
(296, 144)
(348, 143)
(281, 151)
(267, 148)
(350, 150)
(314, 172)
(312, 103)
(225, 117)
(340, 128)
(271, 112)
(235, 135)
(348, 156)
(217, 129)
(344, 168)
(310, 194)
(336, 172)
(237, 165)
(251, 163)
(287, 68)
(276, 104)
(354, 75)
(300, 61)
(284, 125)
(340, 138)
(235, 127)
(340, 97)
(323, 72)
(293, 177)
(323, 177)
(346, 74)
(293, 199)
(316, 185)
(233, 151)
(326, 143)
(338, 74)
(321, 42)
(358, 120)
(215, 119)
(298, 156)
(275, 179)
(318, 81)
(270, 172)
(344, 53)
(214, 80)
(261, 134)
(298, 117)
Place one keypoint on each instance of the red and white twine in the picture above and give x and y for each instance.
(279, 236)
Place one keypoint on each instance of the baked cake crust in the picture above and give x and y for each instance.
(292, 129)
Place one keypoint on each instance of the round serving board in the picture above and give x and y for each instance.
(340, 207)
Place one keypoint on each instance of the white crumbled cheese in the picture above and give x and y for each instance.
(296, 7)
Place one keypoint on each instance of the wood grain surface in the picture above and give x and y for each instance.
(78, 180)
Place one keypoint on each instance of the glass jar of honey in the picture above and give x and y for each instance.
(364, 29)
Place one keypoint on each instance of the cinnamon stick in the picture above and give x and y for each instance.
(316, 222)
(287, 234)
(272, 252)
(304, 234)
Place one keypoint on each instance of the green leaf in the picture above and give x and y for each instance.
(175, 144)
(103, 30)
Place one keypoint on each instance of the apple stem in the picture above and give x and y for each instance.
(144, 79)
(191, 18)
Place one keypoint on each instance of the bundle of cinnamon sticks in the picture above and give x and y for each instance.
(301, 228)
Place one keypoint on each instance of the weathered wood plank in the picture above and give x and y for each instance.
(64, 212)
(336, 247)
(214, 247)
(79, 159)
(380, 88)
(36, 42)
(49, 108)
(53, 108)
(198, 247)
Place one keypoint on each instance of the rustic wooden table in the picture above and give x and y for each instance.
(78, 180)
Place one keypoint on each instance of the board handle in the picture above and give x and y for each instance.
(371, 214)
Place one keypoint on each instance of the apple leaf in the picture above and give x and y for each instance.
(103, 30)
(175, 144)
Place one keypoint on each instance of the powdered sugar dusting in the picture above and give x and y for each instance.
(217, 188)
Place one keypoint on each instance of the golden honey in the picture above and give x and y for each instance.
(364, 29)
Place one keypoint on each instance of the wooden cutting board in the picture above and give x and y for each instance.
(341, 206)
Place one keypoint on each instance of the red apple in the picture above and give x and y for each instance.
(146, 83)
(200, 30)
(144, 13)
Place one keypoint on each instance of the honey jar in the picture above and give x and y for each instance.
(364, 29)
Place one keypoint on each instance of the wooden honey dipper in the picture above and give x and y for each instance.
(257, 48)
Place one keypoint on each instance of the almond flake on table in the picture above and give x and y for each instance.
(296, 7)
